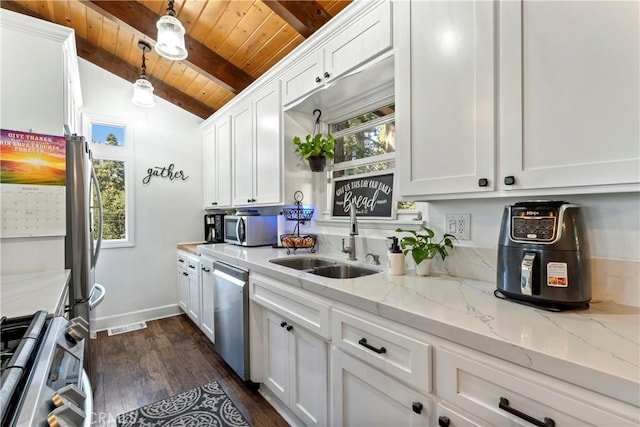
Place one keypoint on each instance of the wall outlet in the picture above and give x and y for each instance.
(459, 225)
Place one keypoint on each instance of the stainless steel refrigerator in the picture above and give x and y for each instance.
(83, 240)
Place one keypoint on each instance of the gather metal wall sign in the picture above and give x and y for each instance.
(373, 196)
(166, 172)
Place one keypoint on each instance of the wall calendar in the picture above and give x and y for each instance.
(32, 184)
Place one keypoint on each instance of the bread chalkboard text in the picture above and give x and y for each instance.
(373, 196)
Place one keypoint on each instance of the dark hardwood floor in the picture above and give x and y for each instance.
(168, 357)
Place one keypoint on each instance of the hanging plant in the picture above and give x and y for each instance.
(316, 149)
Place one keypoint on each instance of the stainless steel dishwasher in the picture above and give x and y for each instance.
(231, 316)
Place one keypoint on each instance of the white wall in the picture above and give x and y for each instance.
(141, 280)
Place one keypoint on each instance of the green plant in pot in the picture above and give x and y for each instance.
(315, 148)
(423, 248)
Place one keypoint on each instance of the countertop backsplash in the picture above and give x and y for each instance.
(613, 280)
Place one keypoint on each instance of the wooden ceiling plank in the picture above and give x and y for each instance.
(142, 20)
(94, 27)
(194, 89)
(258, 41)
(109, 40)
(130, 73)
(61, 12)
(189, 12)
(334, 6)
(305, 16)
(176, 72)
(247, 26)
(79, 18)
(124, 44)
(297, 41)
(234, 12)
(208, 19)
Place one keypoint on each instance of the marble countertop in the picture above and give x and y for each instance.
(24, 294)
(597, 348)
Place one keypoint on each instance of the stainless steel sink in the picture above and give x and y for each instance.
(343, 271)
(302, 263)
(324, 267)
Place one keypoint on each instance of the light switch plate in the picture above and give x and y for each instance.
(459, 225)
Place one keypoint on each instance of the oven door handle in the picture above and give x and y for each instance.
(93, 300)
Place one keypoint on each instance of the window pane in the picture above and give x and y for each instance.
(380, 166)
(367, 143)
(363, 118)
(107, 134)
(110, 175)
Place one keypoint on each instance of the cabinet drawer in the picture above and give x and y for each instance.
(297, 306)
(480, 383)
(396, 354)
(181, 260)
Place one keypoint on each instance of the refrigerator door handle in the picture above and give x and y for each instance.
(95, 251)
(93, 300)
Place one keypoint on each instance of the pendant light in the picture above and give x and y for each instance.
(142, 88)
(170, 41)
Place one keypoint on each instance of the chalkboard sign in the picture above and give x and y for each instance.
(373, 196)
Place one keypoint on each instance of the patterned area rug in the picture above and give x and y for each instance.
(205, 406)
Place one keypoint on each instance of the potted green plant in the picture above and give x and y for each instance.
(423, 248)
(315, 148)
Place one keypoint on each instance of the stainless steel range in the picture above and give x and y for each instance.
(43, 381)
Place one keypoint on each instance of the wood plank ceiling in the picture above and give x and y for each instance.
(230, 42)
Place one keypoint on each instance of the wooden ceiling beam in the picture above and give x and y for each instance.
(142, 21)
(305, 16)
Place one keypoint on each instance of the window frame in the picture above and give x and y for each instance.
(116, 153)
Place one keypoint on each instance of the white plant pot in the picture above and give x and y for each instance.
(424, 267)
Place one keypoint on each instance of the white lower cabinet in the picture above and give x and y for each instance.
(364, 396)
(295, 368)
(500, 393)
(193, 274)
(449, 417)
(183, 281)
(207, 303)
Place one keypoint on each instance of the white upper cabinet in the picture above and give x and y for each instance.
(445, 96)
(569, 93)
(257, 151)
(363, 39)
(536, 97)
(217, 163)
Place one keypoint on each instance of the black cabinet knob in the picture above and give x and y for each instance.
(214, 203)
(326, 75)
(443, 421)
(417, 407)
(283, 324)
(289, 328)
(248, 200)
(483, 182)
(509, 180)
(318, 79)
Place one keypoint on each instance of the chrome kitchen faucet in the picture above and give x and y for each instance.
(353, 231)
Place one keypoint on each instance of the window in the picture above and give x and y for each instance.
(110, 144)
(365, 145)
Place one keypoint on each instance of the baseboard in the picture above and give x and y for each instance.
(117, 320)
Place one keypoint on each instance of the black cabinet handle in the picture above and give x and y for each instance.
(318, 79)
(289, 328)
(509, 180)
(283, 324)
(504, 405)
(214, 203)
(443, 421)
(185, 273)
(326, 75)
(181, 260)
(483, 182)
(417, 407)
(363, 342)
(206, 270)
(248, 200)
(192, 266)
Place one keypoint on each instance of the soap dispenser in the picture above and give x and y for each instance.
(396, 258)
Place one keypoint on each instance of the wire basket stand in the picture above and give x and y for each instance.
(295, 240)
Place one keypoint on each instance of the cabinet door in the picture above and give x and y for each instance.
(445, 101)
(267, 147)
(210, 157)
(223, 151)
(569, 104)
(276, 355)
(308, 397)
(207, 319)
(243, 156)
(302, 77)
(362, 395)
(183, 284)
(193, 307)
(365, 38)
